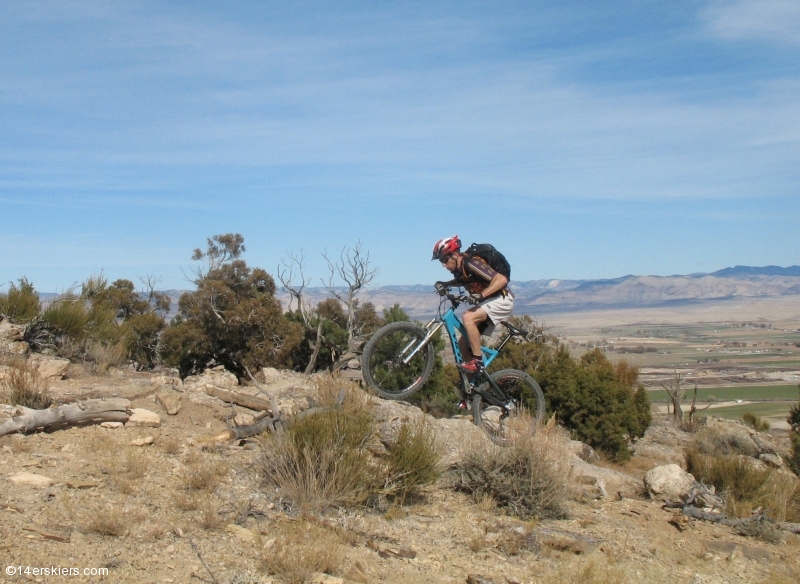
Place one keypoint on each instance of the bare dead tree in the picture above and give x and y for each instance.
(289, 268)
(676, 393)
(694, 409)
(158, 300)
(353, 268)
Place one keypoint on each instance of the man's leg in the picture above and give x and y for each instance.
(472, 319)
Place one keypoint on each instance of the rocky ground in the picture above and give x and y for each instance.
(152, 501)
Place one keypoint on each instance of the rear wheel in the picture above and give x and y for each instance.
(382, 362)
(519, 417)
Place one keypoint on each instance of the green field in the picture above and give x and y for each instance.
(745, 392)
(762, 410)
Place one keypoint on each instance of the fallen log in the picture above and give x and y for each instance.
(240, 399)
(82, 412)
(695, 513)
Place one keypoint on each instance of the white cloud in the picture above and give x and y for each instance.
(772, 20)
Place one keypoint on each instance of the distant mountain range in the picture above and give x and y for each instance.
(550, 296)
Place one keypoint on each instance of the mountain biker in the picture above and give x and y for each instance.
(488, 293)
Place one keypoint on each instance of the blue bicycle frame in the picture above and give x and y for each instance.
(453, 324)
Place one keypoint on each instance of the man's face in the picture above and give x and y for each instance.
(450, 262)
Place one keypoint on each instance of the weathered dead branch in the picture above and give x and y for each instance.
(82, 412)
(723, 519)
(275, 423)
(240, 399)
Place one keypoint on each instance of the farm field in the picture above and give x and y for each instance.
(775, 411)
(745, 392)
(748, 338)
(748, 351)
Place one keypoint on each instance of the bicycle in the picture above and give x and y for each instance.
(399, 357)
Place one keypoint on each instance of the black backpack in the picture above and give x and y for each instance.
(488, 253)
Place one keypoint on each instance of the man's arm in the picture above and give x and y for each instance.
(498, 283)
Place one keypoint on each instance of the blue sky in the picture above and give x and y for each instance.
(584, 139)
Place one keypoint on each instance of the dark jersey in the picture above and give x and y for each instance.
(475, 275)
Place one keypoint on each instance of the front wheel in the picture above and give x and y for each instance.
(382, 362)
(520, 417)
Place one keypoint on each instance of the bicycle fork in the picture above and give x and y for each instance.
(421, 345)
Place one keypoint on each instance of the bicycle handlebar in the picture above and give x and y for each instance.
(455, 300)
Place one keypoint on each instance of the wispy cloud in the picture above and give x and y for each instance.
(764, 20)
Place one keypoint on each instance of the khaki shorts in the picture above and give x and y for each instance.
(498, 308)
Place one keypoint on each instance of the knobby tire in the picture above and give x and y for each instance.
(522, 420)
(382, 366)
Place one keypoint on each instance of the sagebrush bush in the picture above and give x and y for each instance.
(21, 303)
(322, 460)
(203, 472)
(23, 386)
(413, 460)
(527, 479)
(713, 442)
(756, 423)
(302, 548)
(745, 486)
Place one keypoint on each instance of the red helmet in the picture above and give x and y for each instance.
(446, 247)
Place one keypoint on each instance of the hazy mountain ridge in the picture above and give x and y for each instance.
(542, 296)
(553, 295)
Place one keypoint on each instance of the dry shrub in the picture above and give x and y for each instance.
(186, 500)
(302, 548)
(711, 441)
(204, 472)
(509, 541)
(21, 303)
(23, 386)
(210, 517)
(756, 423)
(527, 479)
(135, 462)
(593, 571)
(170, 444)
(413, 460)
(746, 487)
(783, 573)
(106, 355)
(105, 521)
(321, 460)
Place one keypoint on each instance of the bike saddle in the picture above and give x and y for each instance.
(514, 330)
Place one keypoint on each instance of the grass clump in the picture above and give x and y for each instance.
(323, 459)
(756, 423)
(526, 479)
(23, 386)
(713, 442)
(105, 521)
(413, 460)
(204, 473)
(744, 485)
(21, 303)
(301, 549)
